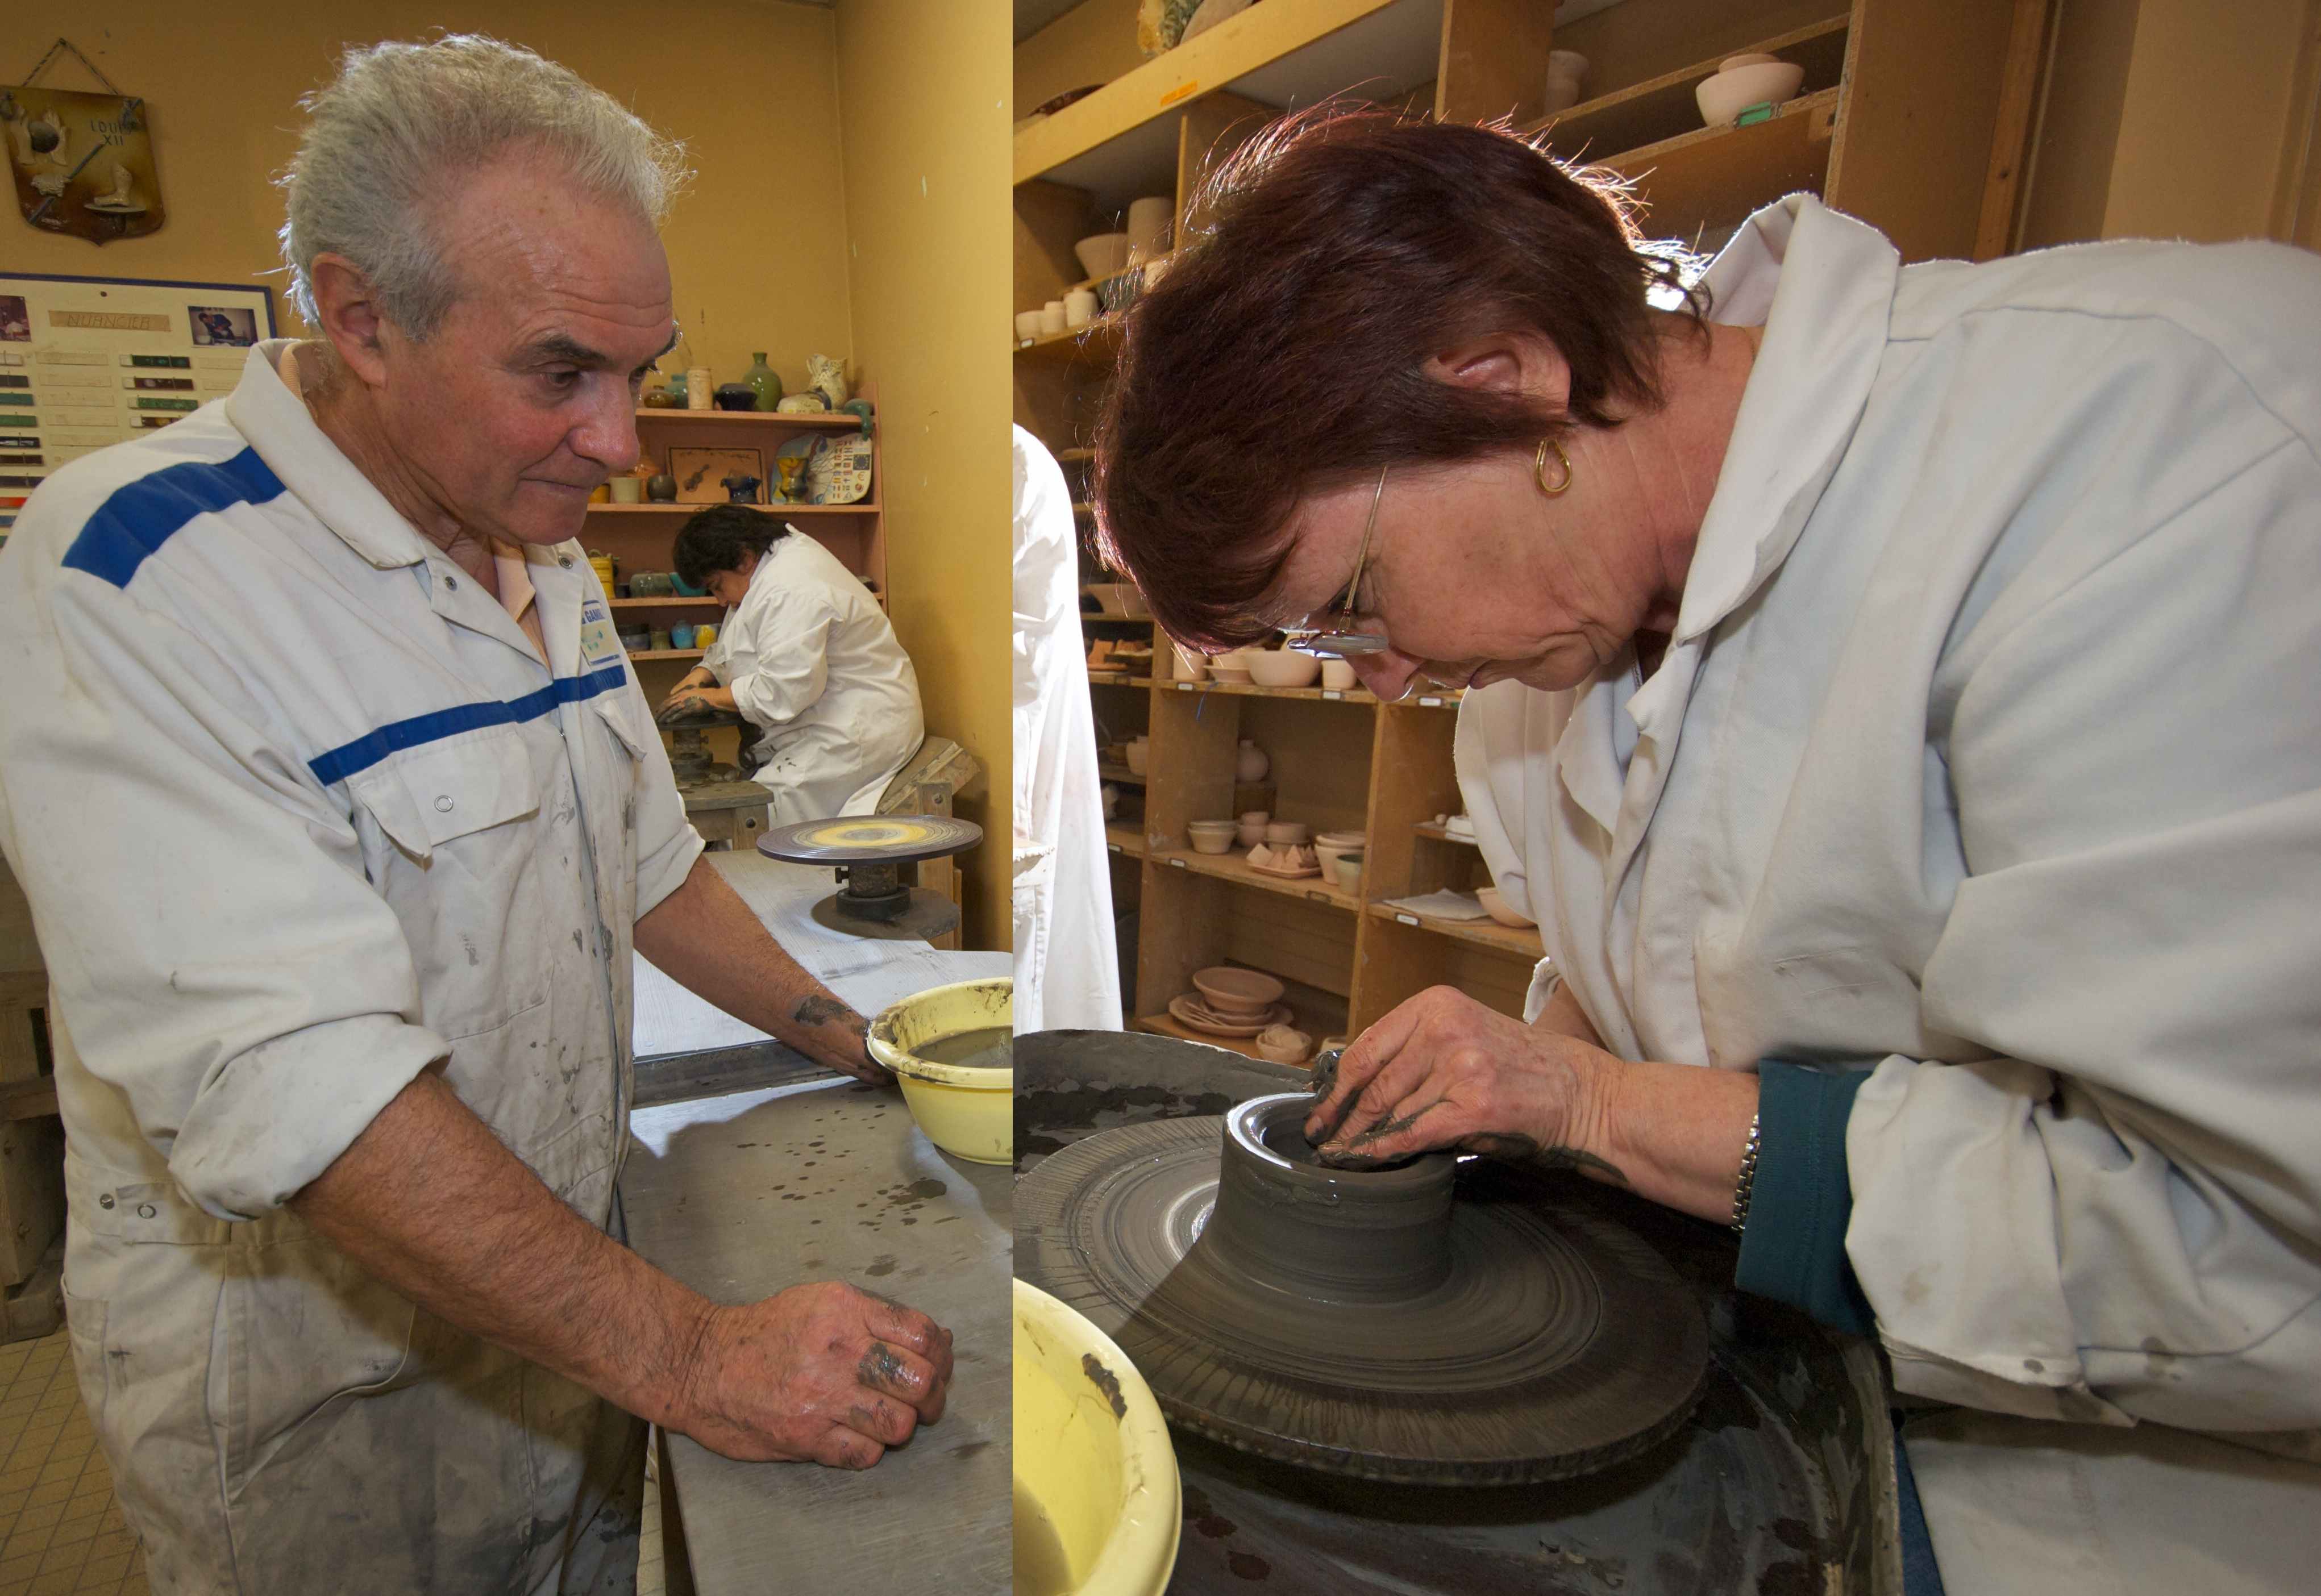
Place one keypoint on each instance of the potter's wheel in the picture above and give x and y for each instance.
(1363, 1323)
(869, 853)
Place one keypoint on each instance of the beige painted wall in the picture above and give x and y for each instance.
(751, 88)
(1093, 42)
(2168, 119)
(922, 88)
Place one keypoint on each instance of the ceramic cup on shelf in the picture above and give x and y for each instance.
(627, 490)
(1027, 326)
(698, 393)
(1051, 318)
(1149, 220)
(661, 641)
(681, 636)
(1338, 675)
(1348, 869)
(1190, 666)
(1079, 307)
(1565, 70)
(705, 634)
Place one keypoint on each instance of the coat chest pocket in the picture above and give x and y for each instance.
(620, 715)
(432, 795)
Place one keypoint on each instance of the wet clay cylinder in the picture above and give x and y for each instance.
(1332, 1235)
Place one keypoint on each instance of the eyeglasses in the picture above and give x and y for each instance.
(1343, 640)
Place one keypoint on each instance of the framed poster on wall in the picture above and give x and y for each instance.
(85, 362)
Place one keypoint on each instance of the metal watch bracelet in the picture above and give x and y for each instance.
(1747, 1184)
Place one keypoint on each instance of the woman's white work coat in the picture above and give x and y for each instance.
(1066, 960)
(302, 813)
(1986, 756)
(813, 663)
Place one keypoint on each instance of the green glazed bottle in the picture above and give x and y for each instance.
(763, 379)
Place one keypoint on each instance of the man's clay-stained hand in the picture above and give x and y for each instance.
(821, 1372)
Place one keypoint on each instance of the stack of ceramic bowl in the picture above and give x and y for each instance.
(1232, 669)
(1227, 1001)
(1250, 831)
(1212, 837)
(1104, 255)
(1329, 844)
(1282, 667)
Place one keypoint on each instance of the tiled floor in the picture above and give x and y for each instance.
(61, 1531)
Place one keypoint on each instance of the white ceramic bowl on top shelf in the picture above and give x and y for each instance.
(1743, 81)
(1103, 254)
(1282, 667)
(1212, 837)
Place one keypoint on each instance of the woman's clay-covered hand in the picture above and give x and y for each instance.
(821, 1372)
(1443, 1072)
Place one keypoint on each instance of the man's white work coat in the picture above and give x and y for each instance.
(1987, 756)
(1067, 962)
(813, 663)
(300, 813)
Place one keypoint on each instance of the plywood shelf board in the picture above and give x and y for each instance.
(1096, 344)
(665, 604)
(1638, 40)
(1665, 107)
(1350, 695)
(1710, 180)
(1235, 868)
(666, 653)
(1122, 837)
(864, 507)
(1521, 942)
(1429, 829)
(1284, 53)
(1120, 775)
(811, 421)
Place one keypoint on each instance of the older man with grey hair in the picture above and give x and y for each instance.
(340, 811)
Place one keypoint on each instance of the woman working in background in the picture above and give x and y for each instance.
(806, 656)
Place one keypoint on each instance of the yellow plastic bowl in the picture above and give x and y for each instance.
(1096, 1479)
(966, 1111)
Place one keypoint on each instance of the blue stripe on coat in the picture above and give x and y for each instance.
(370, 748)
(142, 515)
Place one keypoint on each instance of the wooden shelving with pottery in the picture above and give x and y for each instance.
(1913, 115)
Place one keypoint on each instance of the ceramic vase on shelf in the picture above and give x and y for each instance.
(1251, 764)
(762, 380)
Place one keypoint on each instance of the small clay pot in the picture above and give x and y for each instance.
(736, 396)
(1250, 763)
(661, 489)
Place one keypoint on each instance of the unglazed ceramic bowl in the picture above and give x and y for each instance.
(965, 1110)
(1338, 675)
(1095, 1485)
(1232, 676)
(1230, 990)
(1103, 254)
(1282, 667)
(1498, 908)
(1212, 837)
(1286, 834)
(1284, 1044)
(1736, 87)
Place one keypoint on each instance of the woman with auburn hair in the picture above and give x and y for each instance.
(1896, 691)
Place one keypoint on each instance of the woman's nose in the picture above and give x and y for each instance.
(1387, 673)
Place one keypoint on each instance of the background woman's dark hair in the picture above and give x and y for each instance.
(717, 538)
(1283, 351)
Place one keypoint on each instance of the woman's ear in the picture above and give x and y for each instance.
(1507, 363)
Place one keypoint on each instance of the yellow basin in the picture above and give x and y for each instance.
(1096, 1479)
(965, 1110)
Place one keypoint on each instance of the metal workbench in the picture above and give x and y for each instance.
(814, 1177)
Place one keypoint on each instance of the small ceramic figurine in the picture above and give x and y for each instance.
(828, 376)
(741, 489)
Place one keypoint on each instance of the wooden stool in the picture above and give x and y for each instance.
(730, 814)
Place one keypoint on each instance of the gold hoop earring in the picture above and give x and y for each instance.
(1539, 467)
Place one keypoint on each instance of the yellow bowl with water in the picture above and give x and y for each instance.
(1096, 1511)
(948, 1046)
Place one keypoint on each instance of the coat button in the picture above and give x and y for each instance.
(452, 582)
(146, 1210)
(444, 803)
(105, 1200)
(565, 560)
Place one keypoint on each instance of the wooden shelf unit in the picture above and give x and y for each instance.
(642, 536)
(1910, 116)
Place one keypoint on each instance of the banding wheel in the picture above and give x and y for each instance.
(689, 758)
(1432, 1323)
(871, 852)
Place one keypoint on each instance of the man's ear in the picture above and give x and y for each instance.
(350, 316)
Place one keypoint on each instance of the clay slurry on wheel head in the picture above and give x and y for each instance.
(1428, 1323)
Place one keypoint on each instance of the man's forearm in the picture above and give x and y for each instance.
(1565, 1017)
(704, 936)
(429, 1202)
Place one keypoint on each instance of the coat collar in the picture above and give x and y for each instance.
(268, 412)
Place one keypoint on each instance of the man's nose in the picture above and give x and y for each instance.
(1386, 673)
(608, 433)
